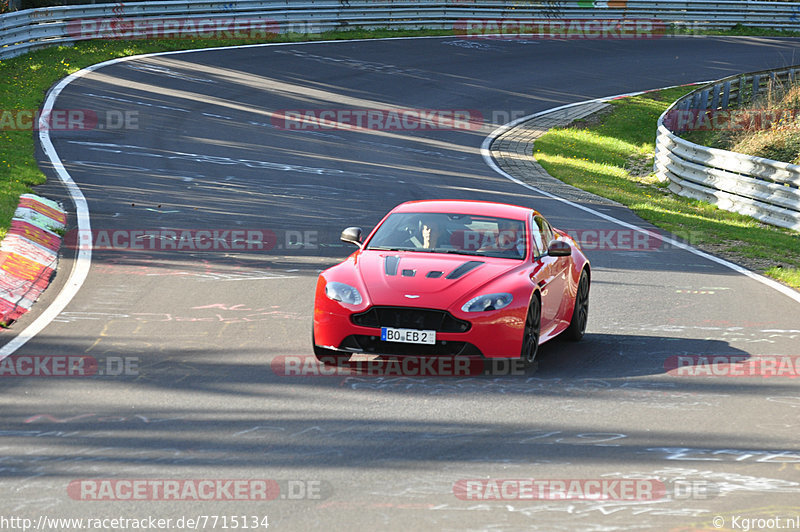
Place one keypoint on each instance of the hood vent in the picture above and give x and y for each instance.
(391, 264)
(463, 269)
(434, 274)
(409, 273)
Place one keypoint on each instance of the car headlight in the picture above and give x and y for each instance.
(487, 302)
(343, 292)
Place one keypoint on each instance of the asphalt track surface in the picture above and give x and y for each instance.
(203, 326)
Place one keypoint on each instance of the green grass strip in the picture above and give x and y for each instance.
(612, 156)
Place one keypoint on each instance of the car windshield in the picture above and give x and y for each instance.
(464, 234)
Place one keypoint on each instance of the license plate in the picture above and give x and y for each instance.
(408, 336)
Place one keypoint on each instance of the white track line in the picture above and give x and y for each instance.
(83, 262)
(487, 157)
(80, 269)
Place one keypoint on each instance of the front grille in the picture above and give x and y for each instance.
(363, 343)
(411, 318)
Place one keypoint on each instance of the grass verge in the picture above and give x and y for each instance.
(611, 156)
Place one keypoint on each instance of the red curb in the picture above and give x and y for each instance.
(41, 208)
(23, 268)
(20, 245)
(43, 237)
(10, 311)
(28, 260)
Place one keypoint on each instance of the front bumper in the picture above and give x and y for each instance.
(495, 334)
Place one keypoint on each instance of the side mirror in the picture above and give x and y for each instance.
(559, 248)
(352, 235)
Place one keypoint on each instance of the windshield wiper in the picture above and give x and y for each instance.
(457, 252)
(427, 250)
(484, 254)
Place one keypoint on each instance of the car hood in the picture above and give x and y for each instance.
(438, 280)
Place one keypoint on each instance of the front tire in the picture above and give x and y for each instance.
(530, 335)
(580, 315)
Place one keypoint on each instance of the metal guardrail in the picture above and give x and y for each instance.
(762, 188)
(765, 189)
(23, 31)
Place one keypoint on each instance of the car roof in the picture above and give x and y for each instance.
(485, 208)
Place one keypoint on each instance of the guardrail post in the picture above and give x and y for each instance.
(703, 103)
(715, 96)
(741, 97)
(726, 94)
(756, 87)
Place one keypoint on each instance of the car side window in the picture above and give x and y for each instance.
(547, 233)
(542, 233)
(538, 246)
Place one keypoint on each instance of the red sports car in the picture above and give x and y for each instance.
(452, 278)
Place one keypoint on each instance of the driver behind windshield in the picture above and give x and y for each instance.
(432, 233)
(451, 233)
